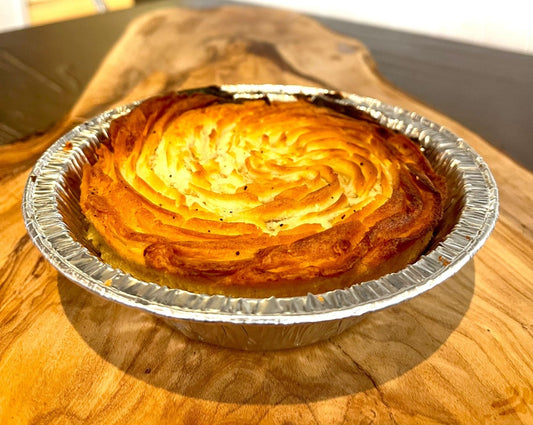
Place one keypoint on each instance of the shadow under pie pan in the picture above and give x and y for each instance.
(56, 226)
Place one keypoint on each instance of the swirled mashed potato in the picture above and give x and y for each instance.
(258, 198)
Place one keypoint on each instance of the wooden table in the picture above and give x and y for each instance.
(489, 91)
(460, 353)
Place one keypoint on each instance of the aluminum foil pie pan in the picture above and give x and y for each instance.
(56, 226)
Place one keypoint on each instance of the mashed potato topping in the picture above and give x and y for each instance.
(258, 197)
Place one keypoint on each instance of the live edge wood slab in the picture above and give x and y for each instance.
(460, 353)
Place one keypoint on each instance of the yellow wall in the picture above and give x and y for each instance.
(47, 11)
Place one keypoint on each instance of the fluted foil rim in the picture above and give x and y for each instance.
(52, 219)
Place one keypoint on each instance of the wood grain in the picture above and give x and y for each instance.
(460, 353)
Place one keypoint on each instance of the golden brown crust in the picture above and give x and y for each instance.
(257, 198)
